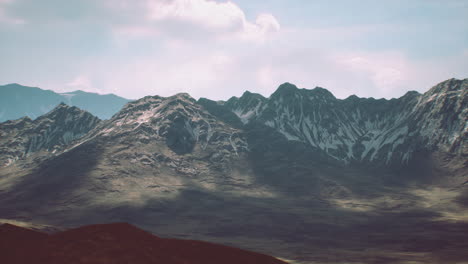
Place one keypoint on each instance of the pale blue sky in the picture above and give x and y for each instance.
(218, 49)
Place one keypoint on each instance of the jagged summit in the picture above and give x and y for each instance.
(20, 121)
(252, 95)
(185, 96)
(285, 89)
(361, 129)
(63, 107)
(349, 130)
(56, 129)
(288, 89)
(177, 121)
(449, 86)
(70, 116)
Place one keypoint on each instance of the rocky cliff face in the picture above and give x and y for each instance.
(441, 117)
(49, 133)
(171, 133)
(178, 121)
(364, 129)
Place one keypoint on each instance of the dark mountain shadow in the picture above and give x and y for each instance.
(289, 166)
(462, 199)
(179, 138)
(221, 112)
(52, 182)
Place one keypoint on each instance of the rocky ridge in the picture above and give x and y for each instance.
(364, 129)
(49, 133)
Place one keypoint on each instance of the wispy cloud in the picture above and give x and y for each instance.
(81, 83)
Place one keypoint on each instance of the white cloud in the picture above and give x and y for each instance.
(264, 25)
(267, 23)
(225, 15)
(213, 49)
(196, 19)
(224, 68)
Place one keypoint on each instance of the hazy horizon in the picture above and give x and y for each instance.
(218, 49)
(235, 95)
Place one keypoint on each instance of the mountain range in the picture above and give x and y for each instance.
(18, 101)
(300, 175)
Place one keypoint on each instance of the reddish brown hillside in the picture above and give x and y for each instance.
(117, 244)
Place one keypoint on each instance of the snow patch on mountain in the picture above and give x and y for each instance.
(358, 129)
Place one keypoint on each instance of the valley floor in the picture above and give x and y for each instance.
(421, 225)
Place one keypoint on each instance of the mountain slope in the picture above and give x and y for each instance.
(50, 132)
(18, 101)
(300, 175)
(115, 243)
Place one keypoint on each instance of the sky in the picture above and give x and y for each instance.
(218, 49)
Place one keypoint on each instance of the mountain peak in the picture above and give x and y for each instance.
(183, 96)
(63, 110)
(50, 132)
(322, 93)
(287, 85)
(352, 98)
(17, 123)
(410, 95)
(12, 85)
(288, 89)
(285, 89)
(62, 105)
(252, 95)
(448, 86)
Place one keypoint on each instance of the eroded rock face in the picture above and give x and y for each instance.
(364, 129)
(180, 137)
(49, 133)
(178, 121)
(441, 117)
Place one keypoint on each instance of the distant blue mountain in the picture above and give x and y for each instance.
(17, 101)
